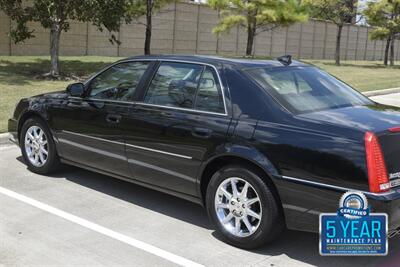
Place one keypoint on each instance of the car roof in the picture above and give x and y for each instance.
(215, 60)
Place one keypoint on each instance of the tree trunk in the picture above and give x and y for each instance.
(386, 58)
(392, 51)
(147, 42)
(251, 33)
(338, 39)
(55, 33)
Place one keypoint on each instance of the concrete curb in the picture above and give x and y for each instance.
(5, 139)
(382, 92)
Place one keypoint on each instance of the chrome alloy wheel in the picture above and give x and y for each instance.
(238, 207)
(36, 146)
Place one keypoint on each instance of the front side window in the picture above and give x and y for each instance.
(174, 84)
(306, 89)
(119, 82)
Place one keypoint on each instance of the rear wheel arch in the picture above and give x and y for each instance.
(219, 162)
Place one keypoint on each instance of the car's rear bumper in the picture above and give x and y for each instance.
(388, 203)
(13, 130)
(303, 202)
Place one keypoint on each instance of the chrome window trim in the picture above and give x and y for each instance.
(162, 106)
(183, 109)
(150, 105)
(340, 188)
(102, 100)
(134, 146)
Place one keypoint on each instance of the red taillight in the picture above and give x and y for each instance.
(394, 130)
(377, 174)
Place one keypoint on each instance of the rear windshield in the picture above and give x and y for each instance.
(307, 89)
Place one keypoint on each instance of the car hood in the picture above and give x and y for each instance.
(57, 94)
(374, 118)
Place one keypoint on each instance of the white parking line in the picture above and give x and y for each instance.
(102, 230)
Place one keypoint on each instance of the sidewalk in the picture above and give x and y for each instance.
(4, 139)
(391, 99)
(382, 92)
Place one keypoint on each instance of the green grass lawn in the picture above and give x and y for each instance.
(18, 76)
(362, 75)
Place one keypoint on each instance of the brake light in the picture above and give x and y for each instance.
(394, 130)
(377, 173)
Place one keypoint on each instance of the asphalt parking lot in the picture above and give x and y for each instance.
(76, 217)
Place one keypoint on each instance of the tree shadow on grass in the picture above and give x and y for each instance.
(20, 73)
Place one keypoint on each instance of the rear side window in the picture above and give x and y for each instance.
(186, 85)
(174, 84)
(119, 82)
(209, 96)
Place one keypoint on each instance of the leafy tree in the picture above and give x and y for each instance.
(338, 12)
(257, 16)
(146, 8)
(384, 15)
(56, 16)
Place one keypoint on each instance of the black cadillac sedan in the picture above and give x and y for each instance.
(263, 145)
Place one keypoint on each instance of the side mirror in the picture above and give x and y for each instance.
(76, 89)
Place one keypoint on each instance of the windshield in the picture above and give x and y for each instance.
(307, 89)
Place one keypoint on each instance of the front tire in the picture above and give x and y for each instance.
(243, 208)
(38, 147)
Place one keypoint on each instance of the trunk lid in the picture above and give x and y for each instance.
(377, 119)
(374, 118)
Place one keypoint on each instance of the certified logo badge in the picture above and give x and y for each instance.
(353, 230)
(353, 205)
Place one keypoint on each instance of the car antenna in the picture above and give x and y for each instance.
(285, 60)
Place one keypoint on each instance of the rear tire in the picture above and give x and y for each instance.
(250, 215)
(38, 147)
